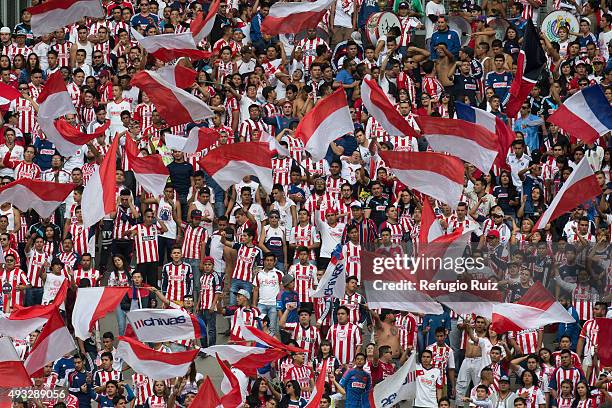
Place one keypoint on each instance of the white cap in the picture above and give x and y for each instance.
(5, 30)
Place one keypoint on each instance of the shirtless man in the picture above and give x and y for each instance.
(444, 64)
(473, 362)
(386, 332)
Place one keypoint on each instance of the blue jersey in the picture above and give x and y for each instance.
(500, 82)
(357, 384)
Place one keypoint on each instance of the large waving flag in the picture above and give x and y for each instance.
(319, 389)
(231, 387)
(326, 122)
(430, 226)
(207, 396)
(175, 105)
(333, 281)
(12, 370)
(585, 115)
(99, 196)
(291, 18)
(7, 94)
(55, 14)
(579, 187)
(160, 325)
(202, 25)
(91, 305)
(53, 342)
(149, 171)
(66, 138)
(505, 135)
(531, 61)
(400, 386)
(168, 47)
(54, 100)
(378, 105)
(435, 174)
(535, 309)
(198, 139)
(156, 365)
(468, 141)
(246, 358)
(228, 164)
(178, 75)
(41, 196)
(250, 333)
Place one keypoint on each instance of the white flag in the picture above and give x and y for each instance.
(333, 281)
(401, 386)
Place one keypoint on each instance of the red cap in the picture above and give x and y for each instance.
(208, 259)
(493, 233)
(331, 211)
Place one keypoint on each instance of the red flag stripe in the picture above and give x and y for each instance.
(444, 165)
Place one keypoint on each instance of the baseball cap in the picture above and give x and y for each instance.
(331, 211)
(599, 58)
(20, 32)
(504, 378)
(356, 204)
(287, 279)
(403, 4)
(498, 211)
(5, 30)
(208, 259)
(196, 214)
(493, 233)
(580, 62)
(244, 293)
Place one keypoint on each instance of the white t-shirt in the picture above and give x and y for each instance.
(286, 220)
(432, 8)
(256, 210)
(342, 19)
(330, 237)
(426, 385)
(52, 286)
(16, 155)
(113, 112)
(253, 185)
(269, 287)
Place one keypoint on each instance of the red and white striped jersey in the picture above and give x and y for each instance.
(304, 280)
(333, 186)
(503, 229)
(352, 303)
(27, 114)
(407, 24)
(309, 50)
(88, 170)
(80, 237)
(442, 358)
(92, 274)
(526, 339)
(193, 240)
(121, 222)
(143, 113)
(307, 338)
(316, 168)
(246, 128)
(584, 298)
(296, 148)
(143, 388)
(63, 53)
(345, 339)
(177, 281)
(121, 25)
(397, 231)
(304, 236)
(270, 110)
(25, 170)
(14, 278)
(589, 333)
(14, 50)
(352, 256)
(87, 114)
(245, 263)
(572, 374)
(302, 374)
(250, 316)
(36, 265)
(75, 93)
(69, 259)
(465, 319)
(535, 396)
(374, 130)
(565, 402)
(281, 170)
(231, 105)
(106, 51)
(433, 87)
(408, 326)
(156, 401)
(556, 359)
(146, 243)
(209, 286)
(101, 377)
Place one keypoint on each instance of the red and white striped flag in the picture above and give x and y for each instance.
(466, 140)
(250, 333)
(168, 47)
(201, 26)
(91, 305)
(435, 174)
(235, 393)
(228, 164)
(207, 396)
(7, 94)
(24, 320)
(66, 138)
(52, 343)
(535, 309)
(149, 171)
(379, 106)
(178, 75)
(291, 18)
(156, 365)
(41, 196)
(326, 122)
(319, 389)
(12, 370)
(246, 358)
(198, 139)
(579, 187)
(175, 105)
(430, 226)
(99, 196)
(55, 14)
(54, 100)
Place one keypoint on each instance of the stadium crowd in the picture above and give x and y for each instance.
(255, 257)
